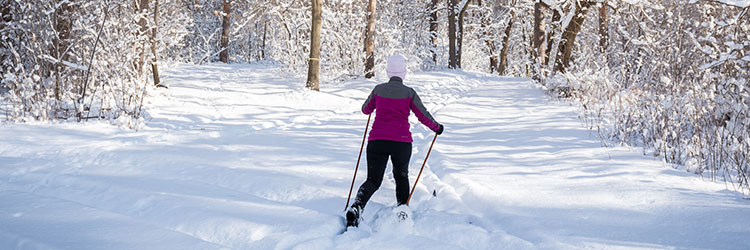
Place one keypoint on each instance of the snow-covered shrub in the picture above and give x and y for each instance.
(81, 59)
(674, 79)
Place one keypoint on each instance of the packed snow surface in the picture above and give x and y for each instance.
(242, 157)
(738, 3)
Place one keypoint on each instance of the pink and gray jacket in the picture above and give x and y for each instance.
(392, 102)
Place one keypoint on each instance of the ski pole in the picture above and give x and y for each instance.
(420, 170)
(358, 157)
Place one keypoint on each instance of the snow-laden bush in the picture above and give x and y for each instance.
(675, 80)
(79, 59)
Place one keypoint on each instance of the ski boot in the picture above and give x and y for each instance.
(352, 216)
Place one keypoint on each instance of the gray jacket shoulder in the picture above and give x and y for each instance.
(396, 91)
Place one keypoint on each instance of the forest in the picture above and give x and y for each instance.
(670, 76)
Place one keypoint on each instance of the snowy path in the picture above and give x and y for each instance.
(525, 163)
(240, 157)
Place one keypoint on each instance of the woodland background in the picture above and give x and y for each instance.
(668, 75)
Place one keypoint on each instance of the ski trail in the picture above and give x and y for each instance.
(442, 222)
(243, 157)
(521, 161)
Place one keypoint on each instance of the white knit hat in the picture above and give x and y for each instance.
(396, 66)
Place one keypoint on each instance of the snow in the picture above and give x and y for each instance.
(241, 157)
(75, 66)
(738, 3)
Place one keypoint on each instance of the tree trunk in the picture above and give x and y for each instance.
(314, 61)
(455, 30)
(493, 60)
(154, 43)
(504, 51)
(555, 23)
(369, 40)
(538, 40)
(63, 25)
(603, 27)
(490, 44)
(565, 48)
(263, 46)
(6, 59)
(452, 60)
(460, 34)
(5, 18)
(434, 30)
(142, 9)
(224, 53)
(493, 57)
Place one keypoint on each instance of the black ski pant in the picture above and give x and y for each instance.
(378, 152)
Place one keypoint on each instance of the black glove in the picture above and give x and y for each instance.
(440, 130)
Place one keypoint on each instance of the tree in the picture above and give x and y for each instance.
(555, 23)
(142, 7)
(369, 40)
(461, 30)
(603, 27)
(452, 60)
(455, 31)
(538, 41)
(154, 43)
(487, 40)
(63, 26)
(503, 64)
(313, 70)
(484, 23)
(565, 48)
(433, 30)
(4, 18)
(224, 54)
(263, 42)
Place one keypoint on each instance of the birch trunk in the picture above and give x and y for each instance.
(224, 54)
(369, 40)
(313, 70)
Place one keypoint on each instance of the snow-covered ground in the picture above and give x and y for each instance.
(241, 157)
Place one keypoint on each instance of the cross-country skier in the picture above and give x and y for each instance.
(390, 136)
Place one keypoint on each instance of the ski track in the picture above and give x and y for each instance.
(240, 157)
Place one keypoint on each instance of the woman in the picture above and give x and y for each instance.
(390, 135)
